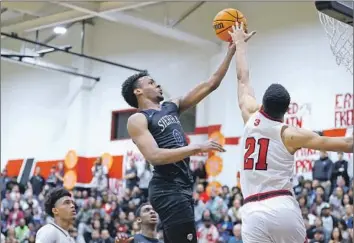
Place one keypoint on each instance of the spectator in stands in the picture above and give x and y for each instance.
(328, 220)
(234, 211)
(199, 174)
(131, 175)
(101, 215)
(52, 179)
(207, 231)
(144, 179)
(199, 207)
(4, 180)
(319, 236)
(322, 170)
(22, 231)
(237, 234)
(16, 214)
(7, 202)
(216, 205)
(202, 194)
(341, 183)
(335, 201)
(100, 176)
(60, 173)
(340, 168)
(37, 182)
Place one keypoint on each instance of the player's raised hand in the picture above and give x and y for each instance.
(123, 238)
(238, 33)
(211, 145)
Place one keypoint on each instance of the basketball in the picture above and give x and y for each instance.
(224, 20)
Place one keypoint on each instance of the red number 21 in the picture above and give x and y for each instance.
(250, 145)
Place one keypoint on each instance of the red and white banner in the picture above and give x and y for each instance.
(343, 110)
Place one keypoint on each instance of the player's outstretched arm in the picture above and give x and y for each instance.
(138, 131)
(193, 97)
(301, 138)
(246, 98)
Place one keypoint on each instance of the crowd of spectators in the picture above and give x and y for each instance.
(326, 204)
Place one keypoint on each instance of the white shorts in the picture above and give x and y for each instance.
(273, 220)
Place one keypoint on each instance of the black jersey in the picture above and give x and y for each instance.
(139, 238)
(166, 128)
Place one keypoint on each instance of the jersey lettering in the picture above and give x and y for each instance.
(250, 145)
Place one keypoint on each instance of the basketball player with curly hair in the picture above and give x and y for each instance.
(157, 132)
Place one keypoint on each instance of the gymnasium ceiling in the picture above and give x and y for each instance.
(176, 20)
(158, 17)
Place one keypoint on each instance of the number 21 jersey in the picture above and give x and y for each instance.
(267, 165)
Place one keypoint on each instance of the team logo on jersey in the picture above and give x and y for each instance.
(256, 122)
(190, 237)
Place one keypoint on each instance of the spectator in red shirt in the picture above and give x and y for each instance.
(15, 215)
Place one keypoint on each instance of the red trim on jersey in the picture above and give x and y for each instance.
(267, 116)
(267, 195)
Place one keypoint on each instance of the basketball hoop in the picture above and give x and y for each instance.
(340, 37)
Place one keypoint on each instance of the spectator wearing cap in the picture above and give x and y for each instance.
(329, 221)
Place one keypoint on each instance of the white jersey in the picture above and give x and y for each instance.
(267, 165)
(53, 233)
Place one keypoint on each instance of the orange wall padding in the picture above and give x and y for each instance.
(337, 132)
(13, 167)
(83, 168)
(45, 167)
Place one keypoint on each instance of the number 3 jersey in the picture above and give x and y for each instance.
(267, 165)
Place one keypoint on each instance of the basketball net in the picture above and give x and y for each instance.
(340, 37)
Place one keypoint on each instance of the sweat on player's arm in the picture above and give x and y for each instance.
(302, 138)
(140, 134)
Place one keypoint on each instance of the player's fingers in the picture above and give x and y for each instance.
(130, 239)
(250, 35)
(241, 26)
(233, 29)
(218, 147)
